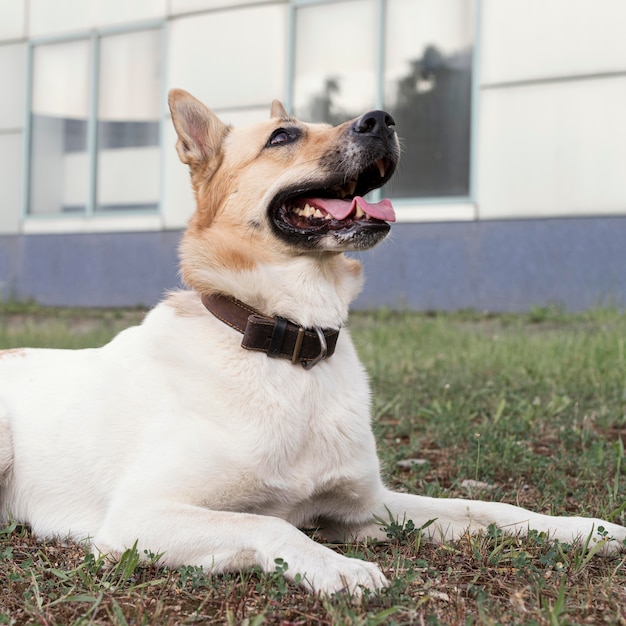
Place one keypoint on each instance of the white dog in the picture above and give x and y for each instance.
(181, 434)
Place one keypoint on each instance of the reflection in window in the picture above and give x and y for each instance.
(427, 89)
(59, 161)
(63, 155)
(426, 81)
(128, 122)
(335, 77)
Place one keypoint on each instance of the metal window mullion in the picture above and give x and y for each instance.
(380, 60)
(92, 125)
(291, 57)
(475, 104)
(165, 34)
(380, 66)
(27, 151)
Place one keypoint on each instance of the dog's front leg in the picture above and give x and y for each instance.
(452, 517)
(221, 541)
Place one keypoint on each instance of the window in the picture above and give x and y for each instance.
(128, 122)
(241, 65)
(411, 57)
(95, 123)
(60, 109)
(335, 67)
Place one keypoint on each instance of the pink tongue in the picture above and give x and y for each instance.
(340, 209)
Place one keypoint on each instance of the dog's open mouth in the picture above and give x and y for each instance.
(339, 209)
(334, 214)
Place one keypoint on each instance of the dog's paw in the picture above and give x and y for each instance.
(340, 574)
(594, 535)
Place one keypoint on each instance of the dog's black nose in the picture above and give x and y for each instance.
(374, 123)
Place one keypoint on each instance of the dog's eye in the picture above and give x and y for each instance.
(282, 136)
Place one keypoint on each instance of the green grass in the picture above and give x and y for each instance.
(531, 406)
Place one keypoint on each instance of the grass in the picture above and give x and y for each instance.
(527, 409)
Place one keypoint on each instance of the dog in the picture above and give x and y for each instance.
(238, 411)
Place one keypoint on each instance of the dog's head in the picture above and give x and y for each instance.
(282, 188)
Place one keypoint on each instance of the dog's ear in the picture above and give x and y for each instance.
(200, 132)
(278, 110)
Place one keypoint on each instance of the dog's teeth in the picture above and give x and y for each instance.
(381, 167)
(308, 211)
(359, 212)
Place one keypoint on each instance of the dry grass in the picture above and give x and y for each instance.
(486, 579)
(533, 407)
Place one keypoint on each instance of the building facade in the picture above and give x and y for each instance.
(512, 187)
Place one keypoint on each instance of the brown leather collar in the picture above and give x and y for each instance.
(275, 336)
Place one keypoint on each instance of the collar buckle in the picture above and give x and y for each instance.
(307, 365)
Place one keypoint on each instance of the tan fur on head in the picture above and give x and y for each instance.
(235, 177)
(200, 136)
(200, 132)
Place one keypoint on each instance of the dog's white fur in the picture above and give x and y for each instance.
(175, 437)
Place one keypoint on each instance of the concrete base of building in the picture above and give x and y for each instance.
(513, 265)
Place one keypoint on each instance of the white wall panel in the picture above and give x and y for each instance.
(189, 6)
(12, 19)
(61, 16)
(66, 16)
(13, 72)
(113, 12)
(553, 150)
(11, 181)
(530, 39)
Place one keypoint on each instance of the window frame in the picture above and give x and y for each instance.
(417, 209)
(91, 214)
